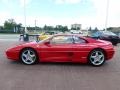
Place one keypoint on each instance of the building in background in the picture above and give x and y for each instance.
(76, 29)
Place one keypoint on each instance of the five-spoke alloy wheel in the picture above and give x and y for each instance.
(97, 58)
(28, 56)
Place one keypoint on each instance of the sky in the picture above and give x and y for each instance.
(61, 12)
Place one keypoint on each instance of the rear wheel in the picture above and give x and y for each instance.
(97, 58)
(28, 56)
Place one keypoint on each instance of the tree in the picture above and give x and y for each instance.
(9, 24)
(48, 28)
(1, 27)
(89, 29)
(65, 28)
(45, 27)
(18, 27)
(110, 28)
(96, 29)
(61, 28)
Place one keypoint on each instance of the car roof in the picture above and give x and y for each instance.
(67, 35)
(70, 35)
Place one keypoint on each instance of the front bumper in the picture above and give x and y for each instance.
(12, 54)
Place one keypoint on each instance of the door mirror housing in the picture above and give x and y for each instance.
(47, 43)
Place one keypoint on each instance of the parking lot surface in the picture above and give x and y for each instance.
(58, 76)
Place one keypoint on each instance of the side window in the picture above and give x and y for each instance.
(61, 40)
(78, 40)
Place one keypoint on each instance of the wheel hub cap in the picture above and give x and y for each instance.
(97, 58)
(28, 57)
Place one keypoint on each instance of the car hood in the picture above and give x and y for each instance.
(23, 44)
(27, 44)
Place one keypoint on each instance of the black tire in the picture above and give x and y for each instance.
(28, 56)
(96, 60)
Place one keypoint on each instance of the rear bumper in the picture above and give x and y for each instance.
(110, 54)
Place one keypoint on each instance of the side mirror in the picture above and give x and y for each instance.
(47, 43)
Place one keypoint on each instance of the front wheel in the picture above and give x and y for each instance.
(97, 58)
(28, 56)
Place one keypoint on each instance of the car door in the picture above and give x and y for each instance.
(58, 50)
(80, 49)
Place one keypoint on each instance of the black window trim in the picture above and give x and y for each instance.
(63, 35)
(80, 38)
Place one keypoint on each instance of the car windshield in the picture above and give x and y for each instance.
(96, 34)
(100, 33)
(109, 33)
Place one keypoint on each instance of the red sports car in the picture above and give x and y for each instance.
(63, 48)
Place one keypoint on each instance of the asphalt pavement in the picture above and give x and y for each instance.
(57, 76)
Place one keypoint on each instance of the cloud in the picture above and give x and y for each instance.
(96, 20)
(26, 2)
(113, 14)
(4, 16)
(20, 1)
(86, 21)
(5, 1)
(67, 1)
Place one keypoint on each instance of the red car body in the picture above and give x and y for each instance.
(62, 52)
